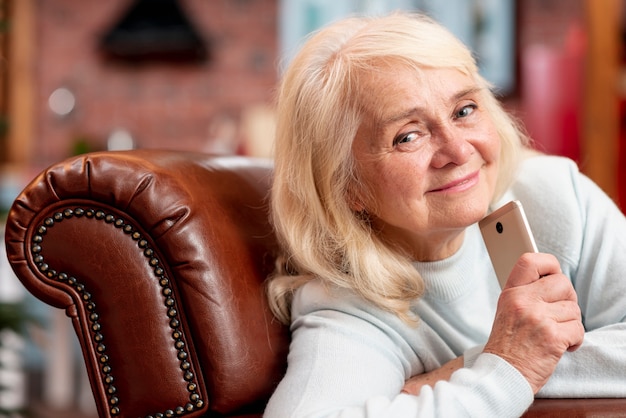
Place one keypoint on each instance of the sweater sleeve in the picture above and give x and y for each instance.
(348, 360)
(598, 272)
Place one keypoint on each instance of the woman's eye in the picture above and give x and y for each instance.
(405, 138)
(465, 111)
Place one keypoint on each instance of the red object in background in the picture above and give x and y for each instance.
(552, 92)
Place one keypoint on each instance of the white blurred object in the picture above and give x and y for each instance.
(11, 290)
(12, 345)
(62, 101)
(258, 126)
(12, 376)
(59, 375)
(120, 140)
(222, 135)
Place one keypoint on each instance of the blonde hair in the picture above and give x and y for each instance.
(315, 174)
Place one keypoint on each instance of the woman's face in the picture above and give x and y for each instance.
(427, 152)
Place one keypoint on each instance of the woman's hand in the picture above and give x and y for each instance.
(537, 319)
(415, 383)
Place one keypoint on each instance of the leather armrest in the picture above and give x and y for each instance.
(159, 259)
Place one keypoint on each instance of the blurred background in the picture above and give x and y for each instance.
(80, 76)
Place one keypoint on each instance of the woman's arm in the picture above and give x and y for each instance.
(576, 221)
(344, 366)
(599, 277)
(348, 358)
(415, 383)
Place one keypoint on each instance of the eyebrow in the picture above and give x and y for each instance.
(404, 115)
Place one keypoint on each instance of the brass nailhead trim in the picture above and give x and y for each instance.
(97, 334)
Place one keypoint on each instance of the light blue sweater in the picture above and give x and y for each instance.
(349, 359)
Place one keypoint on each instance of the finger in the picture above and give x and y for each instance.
(414, 385)
(564, 311)
(560, 324)
(576, 330)
(530, 267)
(554, 288)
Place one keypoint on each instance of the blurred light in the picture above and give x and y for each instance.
(62, 101)
(120, 140)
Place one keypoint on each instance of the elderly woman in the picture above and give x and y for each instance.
(390, 148)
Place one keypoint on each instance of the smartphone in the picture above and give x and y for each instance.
(507, 236)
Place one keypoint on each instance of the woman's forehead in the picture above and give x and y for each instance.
(383, 91)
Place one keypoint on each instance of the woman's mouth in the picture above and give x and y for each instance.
(459, 185)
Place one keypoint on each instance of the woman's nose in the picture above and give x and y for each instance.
(451, 147)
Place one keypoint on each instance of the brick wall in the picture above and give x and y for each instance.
(184, 106)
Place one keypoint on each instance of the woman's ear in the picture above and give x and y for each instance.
(357, 206)
(355, 202)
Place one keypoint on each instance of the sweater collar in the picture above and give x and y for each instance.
(452, 277)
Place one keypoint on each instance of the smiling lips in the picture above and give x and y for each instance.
(459, 185)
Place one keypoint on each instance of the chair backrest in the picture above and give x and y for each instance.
(159, 258)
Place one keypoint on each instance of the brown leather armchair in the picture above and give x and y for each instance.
(159, 258)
